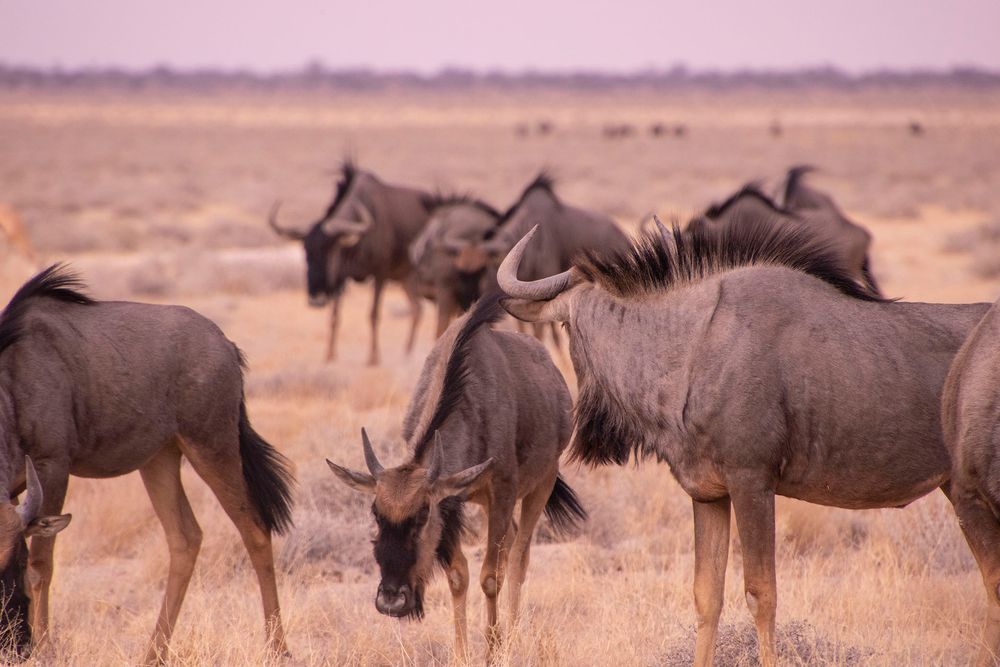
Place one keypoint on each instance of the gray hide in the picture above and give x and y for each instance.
(754, 366)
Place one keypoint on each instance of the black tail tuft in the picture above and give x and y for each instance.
(268, 476)
(563, 508)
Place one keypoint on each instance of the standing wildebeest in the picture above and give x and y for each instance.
(99, 389)
(488, 421)
(365, 233)
(564, 233)
(450, 265)
(755, 365)
(748, 206)
(971, 421)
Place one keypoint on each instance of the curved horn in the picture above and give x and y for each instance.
(28, 510)
(374, 467)
(536, 290)
(272, 220)
(434, 469)
(351, 226)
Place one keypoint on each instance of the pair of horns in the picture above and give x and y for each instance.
(376, 468)
(330, 226)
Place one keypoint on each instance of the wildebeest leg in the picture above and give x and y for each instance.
(458, 582)
(982, 532)
(376, 309)
(221, 468)
(416, 312)
(520, 551)
(331, 346)
(753, 505)
(54, 476)
(162, 477)
(711, 551)
(499, 512)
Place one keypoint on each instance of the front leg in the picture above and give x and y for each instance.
(331, 346)
(54, 477)
(458, 582)
(753, 504)
(373, 357)
(416, 311)
(711, 551)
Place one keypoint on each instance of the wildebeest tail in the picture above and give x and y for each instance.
(563, 508)
(268, 476)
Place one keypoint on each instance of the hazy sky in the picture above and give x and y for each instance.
(426, 35)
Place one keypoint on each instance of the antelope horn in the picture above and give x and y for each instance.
(434, 469)
(351, 226)
(28, 510)
(536, 290)
(665, 234)
(374, 467)
(272, 220)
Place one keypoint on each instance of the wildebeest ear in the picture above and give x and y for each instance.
(527, 310)
(464, 483)
(47, 526)
(357, 480)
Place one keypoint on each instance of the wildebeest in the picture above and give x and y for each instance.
(100, 389)
(364, 234)
(450, 265)
(564, 233)
(488, 421)
(618, 131)
(916, 128)
(749, 205)
(971, 421)
(754, 364)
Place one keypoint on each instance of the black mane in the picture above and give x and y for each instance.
(438, 200)
(486, 311)
(453, 526)
(654, 263)
(794, 179)
(348, 172)
(543, 181)
(55, 282)
(751, 190)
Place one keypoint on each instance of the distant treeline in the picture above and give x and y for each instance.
(319, 77)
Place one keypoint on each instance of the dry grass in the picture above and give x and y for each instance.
(164, 199)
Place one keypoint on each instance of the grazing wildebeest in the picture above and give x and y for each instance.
(450, 264)
(564, 232)
(754, 364)
(971, 422)
(365, 233)
(488, 421)
(750, 205)
(99, 389)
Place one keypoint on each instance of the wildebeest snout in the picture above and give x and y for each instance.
(393, 601)
(318, 300)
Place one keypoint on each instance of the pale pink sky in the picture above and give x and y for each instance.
(426, 35)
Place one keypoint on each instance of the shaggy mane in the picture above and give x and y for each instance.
(794, 179)
(438, 200)
(543, 181)
(56, 282)
(486, 311)
(751, 190)
(655, 263)
(348, 172)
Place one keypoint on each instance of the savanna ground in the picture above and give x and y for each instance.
(163, 196)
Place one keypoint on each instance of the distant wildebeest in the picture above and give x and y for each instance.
(658, 129)
(749, 205)
(564, 233)
(451, 266)
(916, 128)
(364, 234)
(488, 421)
(754, 365)
(100, 389)
(545, 127)
(680, 130)
(971, 422)
(775, 129)
(618, 131)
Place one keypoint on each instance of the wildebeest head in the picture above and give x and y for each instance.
(17, 523)
(332, 241)
(418, 517)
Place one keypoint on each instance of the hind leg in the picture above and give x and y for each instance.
(520, 550)
(416, 312)
(499, 514)
(162, 478)
(222, 470)
(982, 532)
(331, 345)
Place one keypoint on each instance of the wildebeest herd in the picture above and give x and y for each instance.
(750, 349)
